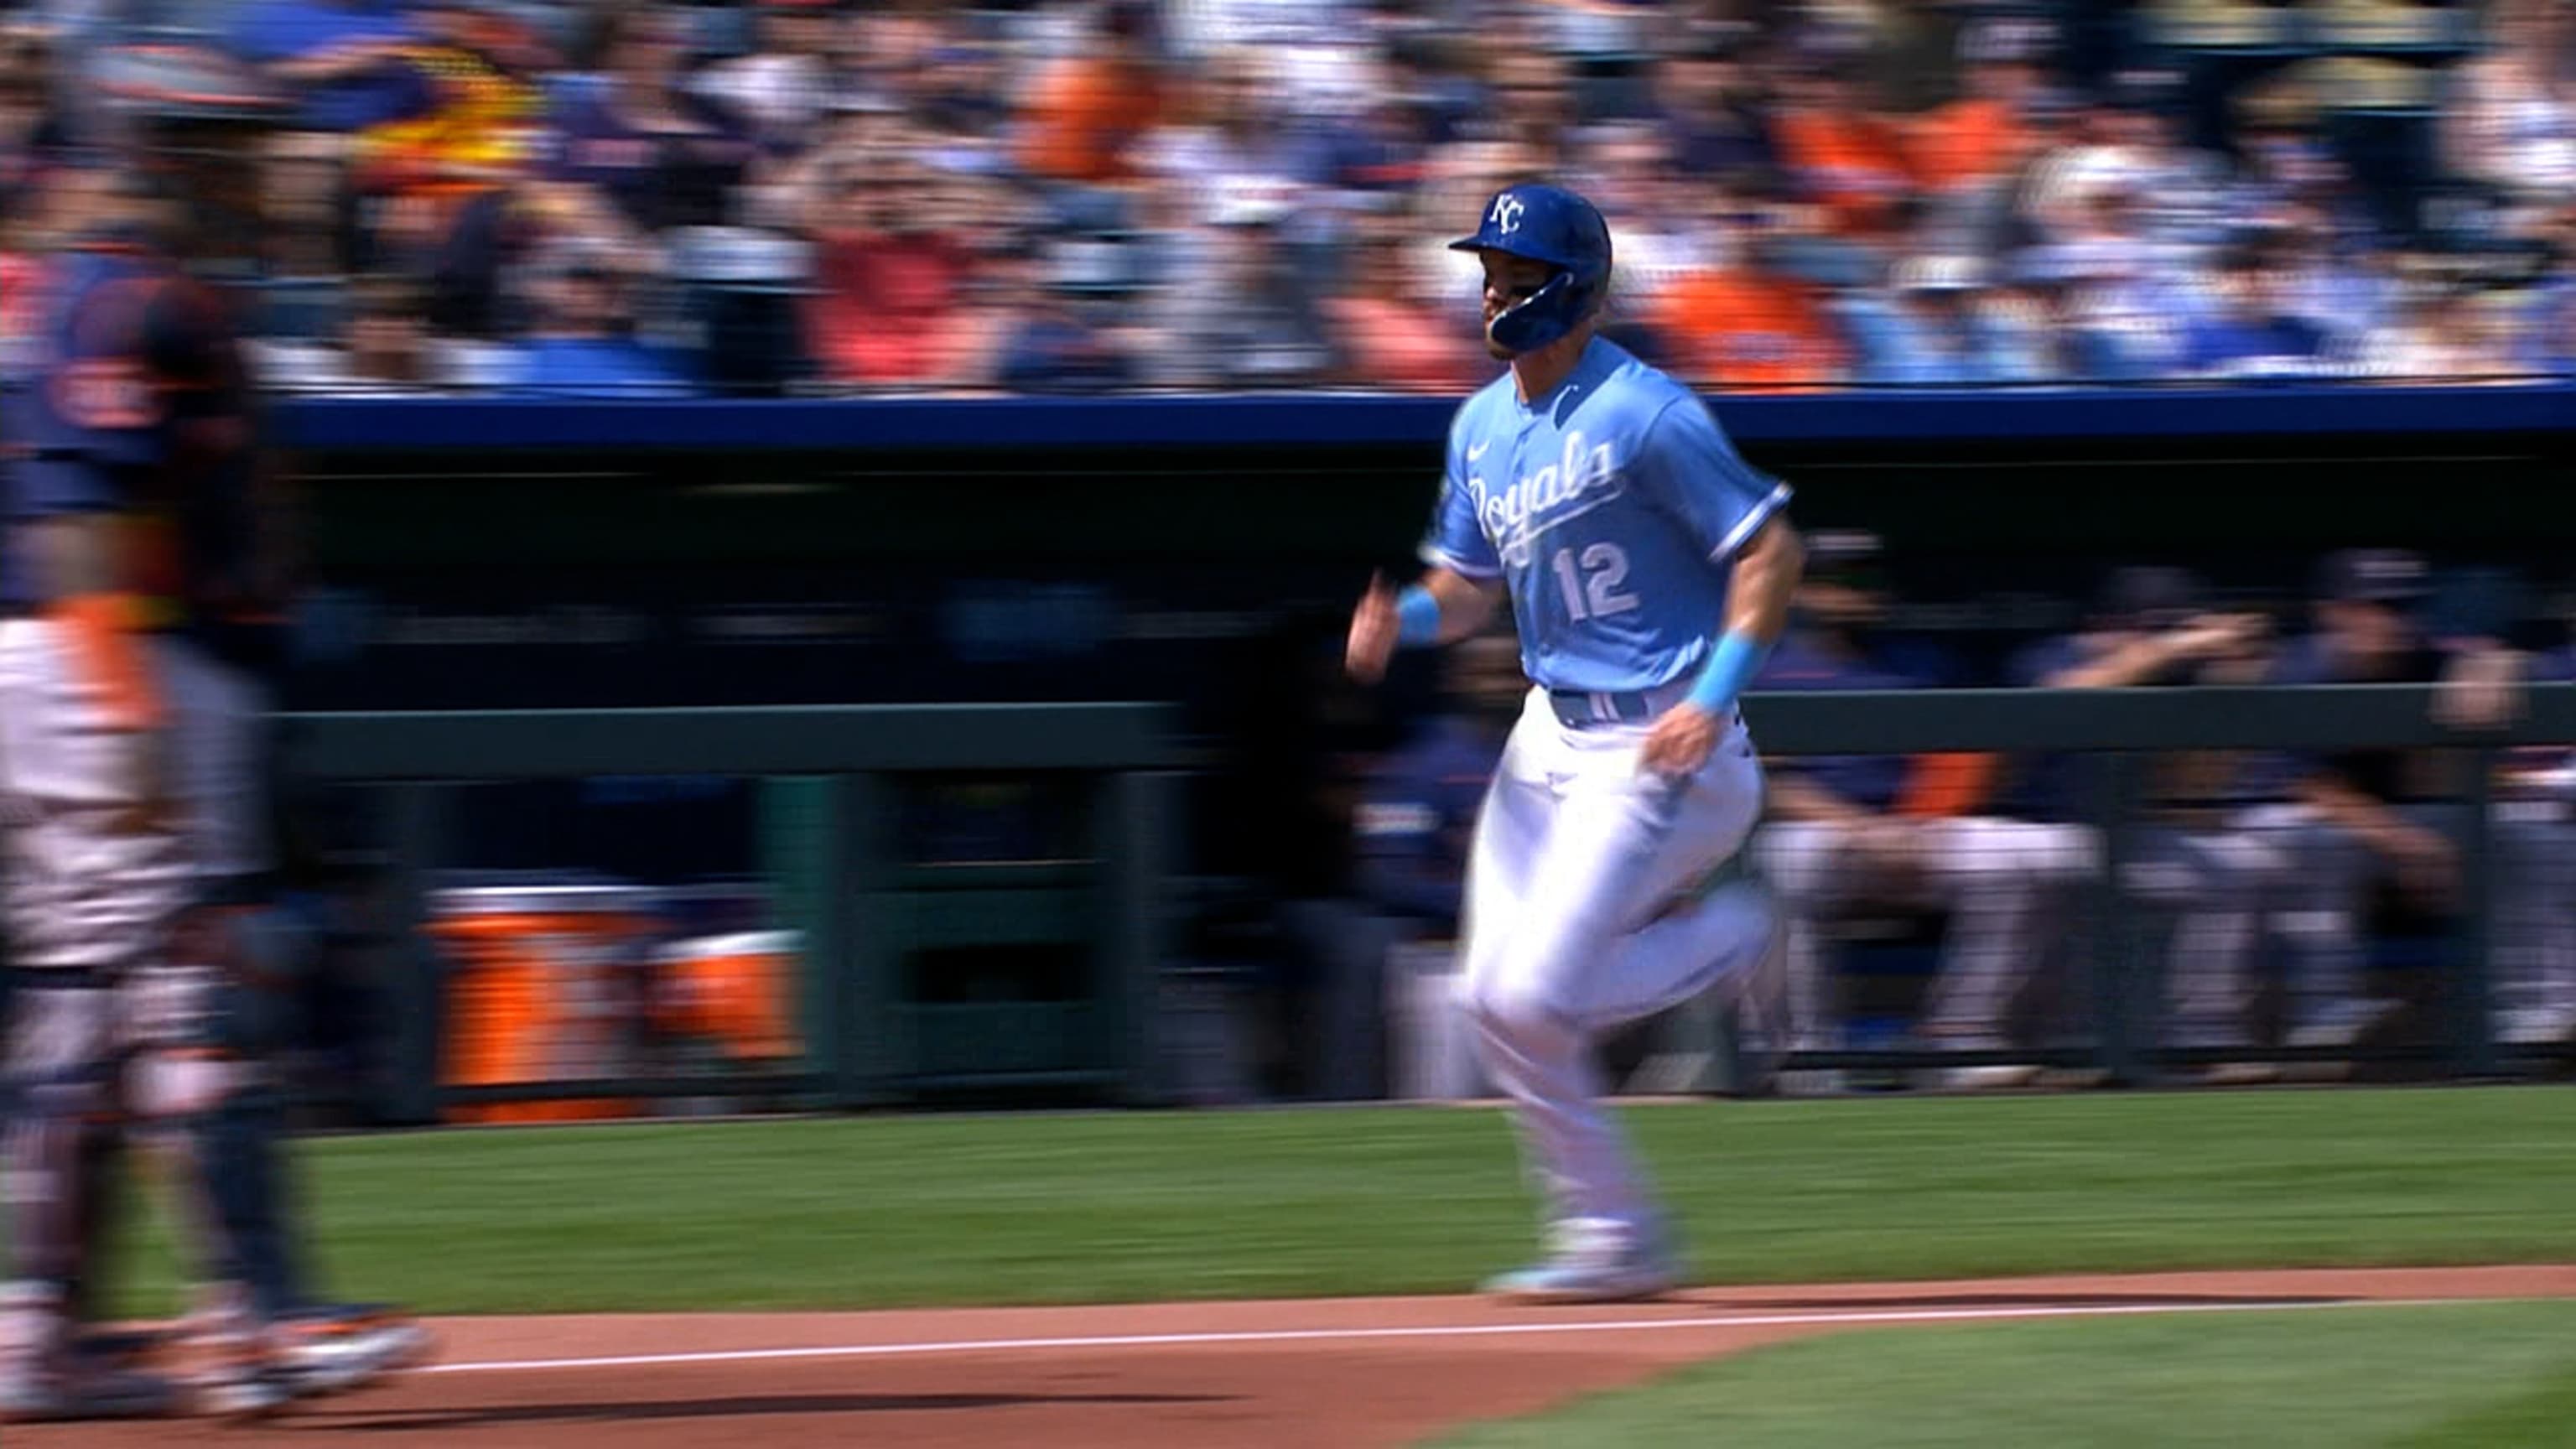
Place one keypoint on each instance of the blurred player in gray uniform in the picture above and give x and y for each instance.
(138, 596)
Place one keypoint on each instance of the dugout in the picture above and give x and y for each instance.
(1201, 552)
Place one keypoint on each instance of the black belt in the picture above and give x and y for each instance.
(1589, 709)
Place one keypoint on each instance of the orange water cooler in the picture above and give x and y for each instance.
(544, 985)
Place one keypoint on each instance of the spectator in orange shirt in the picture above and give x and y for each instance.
(1390, 333)
(1980, 135)
(1736, 324)
(1087, 110)
(1841, 154)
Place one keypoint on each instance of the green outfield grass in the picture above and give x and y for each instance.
(904, 1210)
(2489, 1376)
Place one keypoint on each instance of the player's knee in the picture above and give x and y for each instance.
(1516, 1010)
(184, 1086)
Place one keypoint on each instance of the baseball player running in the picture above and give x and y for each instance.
(1649, 571)
(137, 871)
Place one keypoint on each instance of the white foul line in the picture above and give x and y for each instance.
(1354, 1335)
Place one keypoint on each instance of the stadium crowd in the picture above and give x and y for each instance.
(813, 196)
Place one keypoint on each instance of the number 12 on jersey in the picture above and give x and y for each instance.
(1592, 590)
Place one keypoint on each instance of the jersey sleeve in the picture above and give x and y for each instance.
(1457, 540)
(1685, 464)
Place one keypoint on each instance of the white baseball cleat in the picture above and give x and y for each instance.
(242, 1398)
(1593, 1261)
(333, 1351)
(2004, 1076)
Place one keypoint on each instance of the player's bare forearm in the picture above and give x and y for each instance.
(1757, 612)
(1766, 575)
(1792, 798)
(1378, 628)
(2211, 637)
(2135, 662)
(2367, 817)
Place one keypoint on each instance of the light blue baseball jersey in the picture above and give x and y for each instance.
(1613, 509)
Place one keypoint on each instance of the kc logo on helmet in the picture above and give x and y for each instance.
(1507, 213)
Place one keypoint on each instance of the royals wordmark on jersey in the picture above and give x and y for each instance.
(1613, 507)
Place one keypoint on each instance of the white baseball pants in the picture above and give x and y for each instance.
(1583, 914)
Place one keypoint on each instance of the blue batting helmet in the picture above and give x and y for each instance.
(1553, 225)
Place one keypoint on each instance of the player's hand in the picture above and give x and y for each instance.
(1373, 629)
(1680, 741)
(2216, 636)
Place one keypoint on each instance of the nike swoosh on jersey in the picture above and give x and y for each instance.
(1477, 451)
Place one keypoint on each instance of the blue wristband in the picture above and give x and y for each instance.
(1417, 616)
(1731, 665)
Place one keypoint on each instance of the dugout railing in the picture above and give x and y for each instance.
(828, 771)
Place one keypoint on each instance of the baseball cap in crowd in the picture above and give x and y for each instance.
(577, 255)
(1250, 201)
(2008, 40)
(2149, 596)
(2392, 576)
(1938, 274)
(1828, 48)
(2479, 603)
(1845, 556)
(2144, 90)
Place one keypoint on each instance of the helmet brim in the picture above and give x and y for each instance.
(1479, 244)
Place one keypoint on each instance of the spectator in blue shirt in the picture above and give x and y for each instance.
(585, 347)
(349, 59)
(2548, 337)
(1935, 330)
(2252, 334)
(1059, 339)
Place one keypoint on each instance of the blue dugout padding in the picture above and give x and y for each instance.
(352, 425)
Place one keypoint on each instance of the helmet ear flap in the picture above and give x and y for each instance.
(1546, 314)
(1532, 322)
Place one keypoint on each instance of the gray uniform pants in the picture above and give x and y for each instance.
(111, 834)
